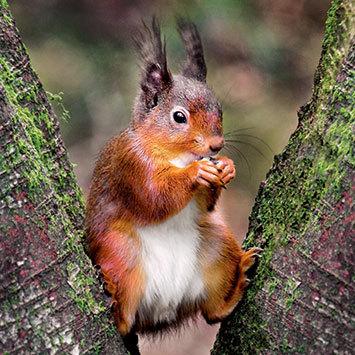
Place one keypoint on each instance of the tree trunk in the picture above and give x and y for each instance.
(302, 296)
(50, 298)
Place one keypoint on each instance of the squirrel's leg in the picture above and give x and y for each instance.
(118, 255)
(225, 277)
(126, 300)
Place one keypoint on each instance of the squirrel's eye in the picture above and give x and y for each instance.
(179, 117)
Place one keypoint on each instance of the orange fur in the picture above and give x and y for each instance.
(147, 193)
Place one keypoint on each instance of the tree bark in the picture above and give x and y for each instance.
(49, 294)
(301, 299)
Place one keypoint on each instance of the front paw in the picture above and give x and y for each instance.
(227, 168)
(208, 174)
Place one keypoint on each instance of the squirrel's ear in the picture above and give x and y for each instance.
(195, 66)
(156, 77)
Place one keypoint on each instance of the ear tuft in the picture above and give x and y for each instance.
(156, 77)
(195, 66)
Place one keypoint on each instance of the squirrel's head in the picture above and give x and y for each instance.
(176, 114)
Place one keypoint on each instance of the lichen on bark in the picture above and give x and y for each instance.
(50, 298)
(301, 298)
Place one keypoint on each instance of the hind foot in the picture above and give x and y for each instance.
(248, 258)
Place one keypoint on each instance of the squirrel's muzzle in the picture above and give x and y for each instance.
(216, 144)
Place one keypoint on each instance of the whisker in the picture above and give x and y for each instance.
(257, 138)
(238, 130)
(227, 96)
(227, 146)
(249, 144)
(231, 103)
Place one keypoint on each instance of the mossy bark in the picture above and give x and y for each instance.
(49, 295)
(301, 299)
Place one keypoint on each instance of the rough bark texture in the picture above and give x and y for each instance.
(49, 295)
(302, 296)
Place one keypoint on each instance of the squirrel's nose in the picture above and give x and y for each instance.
(216, 146)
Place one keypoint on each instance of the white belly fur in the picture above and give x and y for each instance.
(170, 262)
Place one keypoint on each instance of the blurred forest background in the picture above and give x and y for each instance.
(261, 57)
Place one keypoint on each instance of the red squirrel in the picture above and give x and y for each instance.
(153, 223)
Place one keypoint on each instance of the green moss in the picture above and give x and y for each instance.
(57, 100)
(6, 16)
(286, 348)
(97, 349)
(81, 289)
(272, 284)
(291, 288)
(4, 4)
